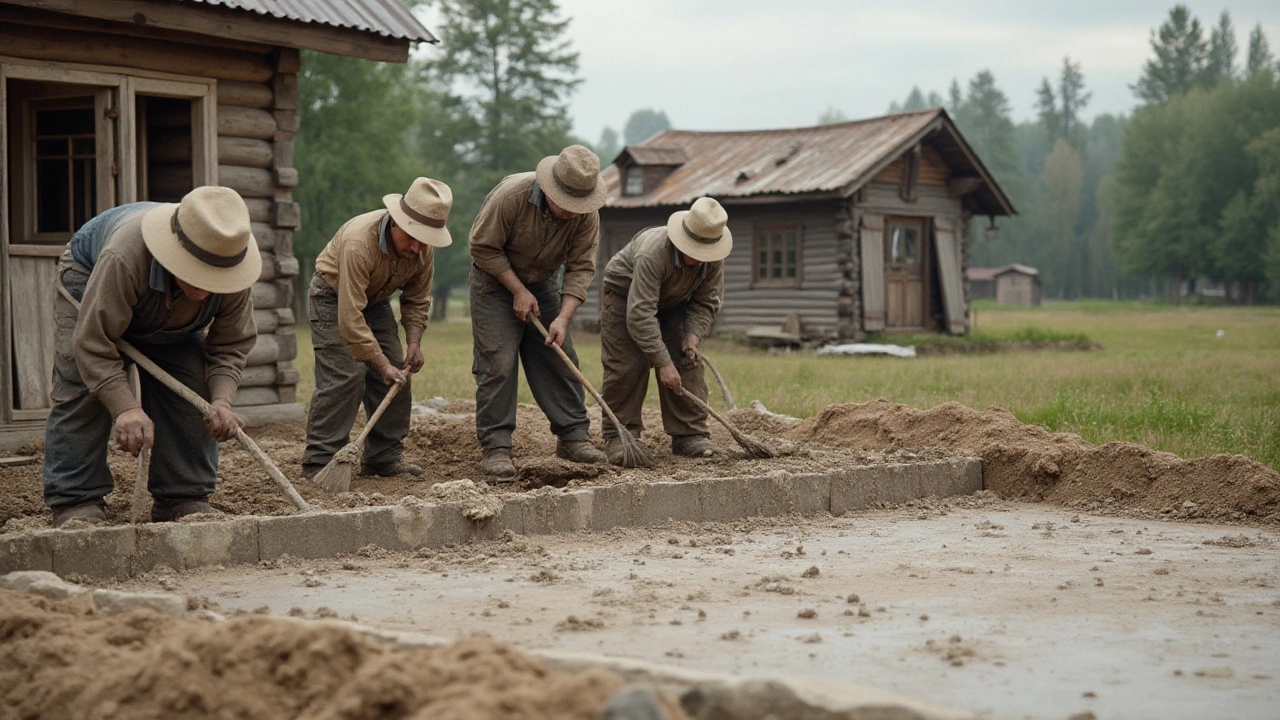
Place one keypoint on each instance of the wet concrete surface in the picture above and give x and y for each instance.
(1008, 610)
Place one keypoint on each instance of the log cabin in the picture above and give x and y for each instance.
(855, 227)
(106, 102)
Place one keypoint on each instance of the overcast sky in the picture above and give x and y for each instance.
(748, 64)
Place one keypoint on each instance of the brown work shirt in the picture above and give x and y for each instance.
(123, 272)
(362, 266)
(515, 230)
(651, 275)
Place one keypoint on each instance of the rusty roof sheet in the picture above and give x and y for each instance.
(656, 155)
(389, 18)
(821, 161)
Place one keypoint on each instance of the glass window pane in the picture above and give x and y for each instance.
(65, 122)
(53, 196)
(83, 146)
(51, 148)
(911, 246)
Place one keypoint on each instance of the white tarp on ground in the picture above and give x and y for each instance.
(868, 349)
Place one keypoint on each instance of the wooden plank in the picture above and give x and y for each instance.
(38, 43)
(952, 278)
(250, 95)
(245, 122)
(872, 250)
(6, 402)
(238, 25)
(246, 152)
(31, 288)
(61, 21)
(249, 182)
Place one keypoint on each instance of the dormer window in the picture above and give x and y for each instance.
(635, 181)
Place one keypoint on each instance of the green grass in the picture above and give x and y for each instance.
(1163, 376)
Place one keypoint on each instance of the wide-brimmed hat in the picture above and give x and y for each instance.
(421, 212)
(702, 231)
(572, 180)
(205, 240)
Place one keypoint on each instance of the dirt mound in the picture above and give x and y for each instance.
(65, 660)
(1026, 462)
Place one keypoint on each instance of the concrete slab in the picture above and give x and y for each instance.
(26, 551)
(95, 552)
(668, 501)
(613, 506)
(861, 487)
(183, 546)
(326, 534)
(549, 512)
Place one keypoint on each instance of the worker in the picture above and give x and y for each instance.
(173, 280)
(660, 296)
(353, 326)
(529, 226)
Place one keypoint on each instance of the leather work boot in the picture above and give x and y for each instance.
(579, 451)
(169, 509)
(496, 465)
(92, 512)
(399, 468)
(698, 446)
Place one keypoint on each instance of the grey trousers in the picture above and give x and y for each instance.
(184, 459)
(501, 344)
(626, 373)
(343, 383)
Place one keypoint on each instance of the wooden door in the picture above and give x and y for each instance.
(61, 150)
(904, 273)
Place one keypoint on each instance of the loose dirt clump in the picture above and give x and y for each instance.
(1026, 462)
(66, 660)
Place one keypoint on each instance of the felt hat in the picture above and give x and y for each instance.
(702, 231)
(205, 240)
(422, 210)
(572, 180)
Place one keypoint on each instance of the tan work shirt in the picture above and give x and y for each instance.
(362, 266)
(119, 278)
(650, 274)
(514, 230)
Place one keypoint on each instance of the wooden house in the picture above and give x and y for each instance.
(982, 283)
(857, 227)
(1017, 285)
(106, 102)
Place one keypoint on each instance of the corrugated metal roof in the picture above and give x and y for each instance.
(820, 160)
(389, 18)
(656, 155)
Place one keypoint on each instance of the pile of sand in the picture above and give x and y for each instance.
(1020, 461)
(65, 660)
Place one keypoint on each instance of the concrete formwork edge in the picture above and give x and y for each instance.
(122, 551)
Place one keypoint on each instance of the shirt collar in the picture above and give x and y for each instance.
(384, 233)
(535, 195)
(159, 278)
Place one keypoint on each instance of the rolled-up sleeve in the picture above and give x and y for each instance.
(231, 336)
(642, 309)
(105, 313)
(580, 265)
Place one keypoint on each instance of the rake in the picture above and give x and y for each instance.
(335, 477)
(633, 453)
(754, 447)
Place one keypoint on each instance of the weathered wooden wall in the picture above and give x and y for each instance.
(746, 304)
(257, 96)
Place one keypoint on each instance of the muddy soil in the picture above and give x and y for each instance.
(1020, 462)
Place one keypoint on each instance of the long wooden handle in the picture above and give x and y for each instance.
(700, 403)
(724, 388)
(382, 407)
(576, 372)
(205, 408)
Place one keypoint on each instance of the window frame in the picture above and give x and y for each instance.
(633, 172)
(766, 234)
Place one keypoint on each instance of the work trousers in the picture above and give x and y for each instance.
(184, 459)
(501, 343)
(343, 383)
(626, 373)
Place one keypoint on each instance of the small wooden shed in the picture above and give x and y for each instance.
(1017, 285)
(857, 227)
(982, 283)
(106, 102)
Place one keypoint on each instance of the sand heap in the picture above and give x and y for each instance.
(1020, 461)
(63, 659)
(1025, 462)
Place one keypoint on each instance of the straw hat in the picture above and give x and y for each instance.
(572, 180)
(421, 212)
(205, 240)
(701, 232)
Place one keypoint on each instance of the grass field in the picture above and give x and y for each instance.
(1192, 380)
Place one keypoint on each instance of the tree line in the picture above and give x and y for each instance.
(1183, 193)
(1185, 189)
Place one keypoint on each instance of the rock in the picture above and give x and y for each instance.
(40, 582)
(633, 703)
(114, 602)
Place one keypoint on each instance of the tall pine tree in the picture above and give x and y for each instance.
(1181, 55)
